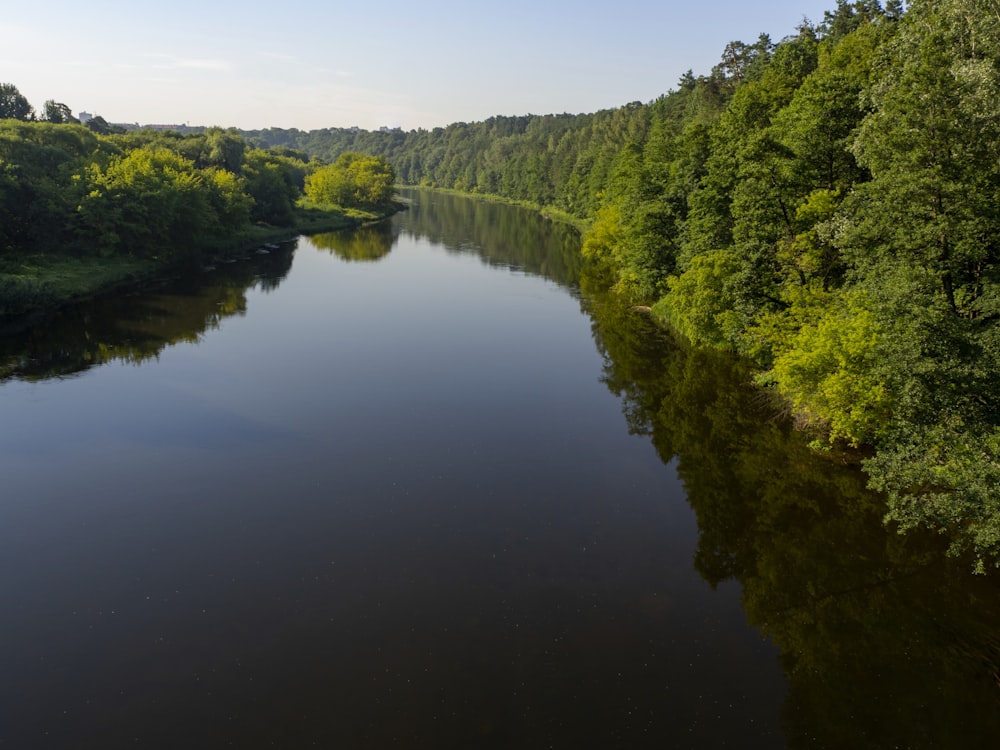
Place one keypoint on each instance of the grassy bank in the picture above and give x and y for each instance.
(29, 283)
(40, 282)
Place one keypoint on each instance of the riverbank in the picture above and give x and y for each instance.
(549, 212)
(37, 283)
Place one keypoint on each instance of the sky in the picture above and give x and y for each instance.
(385, 63)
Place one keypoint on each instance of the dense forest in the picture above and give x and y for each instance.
(82, 205)
(825, 206)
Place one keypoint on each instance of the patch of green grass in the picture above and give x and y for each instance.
(32, 282)
(310, 218)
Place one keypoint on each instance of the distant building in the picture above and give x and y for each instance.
(84, 117)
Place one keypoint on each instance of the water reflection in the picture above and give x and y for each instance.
(367, 244)
(501, 235)
(885, 642)
(136, 328)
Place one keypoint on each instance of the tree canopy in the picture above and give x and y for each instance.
(353, 181)
(13, 106)
(71, 189)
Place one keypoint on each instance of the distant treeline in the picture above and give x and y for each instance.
(827, 206)
(564, 161)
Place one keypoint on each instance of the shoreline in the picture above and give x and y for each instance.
(37, 285)
(550, 213)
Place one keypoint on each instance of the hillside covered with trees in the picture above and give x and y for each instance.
(827, 206)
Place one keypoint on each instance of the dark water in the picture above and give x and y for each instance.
(425, 485)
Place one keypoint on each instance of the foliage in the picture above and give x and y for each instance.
(84, 208)
(274, 182)
(700, 303)
(828, 207)
(891, 618)
(145, 202)
(352, 181)
(841, 230)
(13, 105)
(829, 370)
(57, 112)
(67, 188)
(559, 160)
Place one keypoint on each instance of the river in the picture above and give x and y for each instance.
(426, 485)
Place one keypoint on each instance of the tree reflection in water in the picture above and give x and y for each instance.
(886, 642)
(136, 328)
(366, 244)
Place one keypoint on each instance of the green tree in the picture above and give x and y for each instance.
(933, 147)
(56, 112)
(830, 370)
(149, 202)
(40, 194)
(353, 181)
(228, 199)
(927, 254)
(13, 106)
(224, 149)
(274, 183)
(99, 125)
(701, 301)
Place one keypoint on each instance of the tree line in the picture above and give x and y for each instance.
(67, 188)
(15, 106)
(827, 206)
(563, 160)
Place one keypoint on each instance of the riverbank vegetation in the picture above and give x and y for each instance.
(83, 211)
(825, 206)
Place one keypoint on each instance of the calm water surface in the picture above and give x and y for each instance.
(424, 485)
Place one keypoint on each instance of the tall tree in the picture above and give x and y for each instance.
(13, 106)
(923, 239)
(57, 112)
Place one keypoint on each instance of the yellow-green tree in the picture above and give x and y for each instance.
(352, 181)
(149, 202)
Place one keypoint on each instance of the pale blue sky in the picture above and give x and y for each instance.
(316, 64)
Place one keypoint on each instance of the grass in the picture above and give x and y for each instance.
(37, 282)
(33, 282)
